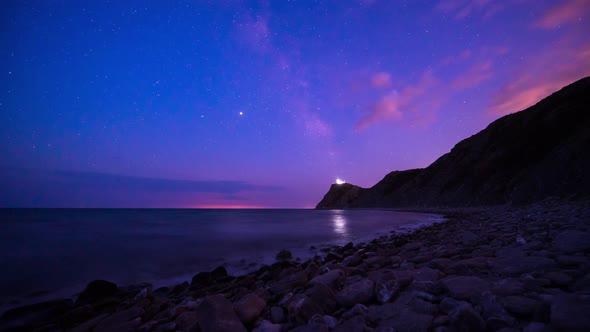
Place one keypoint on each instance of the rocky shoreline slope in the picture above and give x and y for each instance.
(485, 269)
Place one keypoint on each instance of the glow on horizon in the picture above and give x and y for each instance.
(340, 181)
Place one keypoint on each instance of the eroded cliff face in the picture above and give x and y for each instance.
(522, 157)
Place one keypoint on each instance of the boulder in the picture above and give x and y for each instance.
(571, 241)
(361, 291)
(216, 314)
(331, 278)
(570, 313)
(465, 287)
(464, 319)
(97, 290)
(249, 307)
(125, 320)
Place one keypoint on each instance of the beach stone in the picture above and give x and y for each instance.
(465, 287)
(266, 326)
(357, 310)
(216, 314)
(331, 278)
(277, 315)
(97, 290)
(167, 327)
(121, 321)
(516, 265)
(569, 312)
(494, 313)
(520, 305)
(386, 291)
(185, 321)
(323, 296)
(311, 327)
(284, 255)
(301, 309)
(407, 321)
(358, 292)
(356, 323)
(249, 307)
(427, 274)
(289, 282)
(571, 241)
(510, 286)
(448, 304)
(464, 319)
(536, 327)
(352, 260)
(468, 238)
(89, 325)
(558, 278)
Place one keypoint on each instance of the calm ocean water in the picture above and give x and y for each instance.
(45, 253)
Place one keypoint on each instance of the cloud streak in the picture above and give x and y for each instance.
(28, 187)
(565, 13)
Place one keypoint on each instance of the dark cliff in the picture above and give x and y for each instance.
(522, 157)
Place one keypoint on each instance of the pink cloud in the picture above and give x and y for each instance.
(474, 76)
(546, 73)
(381, 80)
(461, 9)
(394, 104)
(567, 12)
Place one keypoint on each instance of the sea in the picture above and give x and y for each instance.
(53, 253)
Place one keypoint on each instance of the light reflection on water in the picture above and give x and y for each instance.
(339, 223)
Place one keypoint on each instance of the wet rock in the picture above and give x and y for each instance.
(516, 265)
(311, 327)
(507, 287)
(494, 314)
(352, 260)
(464, 319)
(465, 287)
(266, 326)
(249, 307)
(167, 327)
(427, 274)
(536, 327)
(323, 296)
(570, 313)
(332, 278)
(520, 305)
(216, 314)
(407, 321)
(185, 321)
(97, 290)
(277, 315)
(359, 292)
(571, 241)
(448, 304)
(121, 321)
(289, 282)
(558, 278)
(284, 255)
(357, 310)
(301, 309)
(356, 323)
(386, 291)
(468, 238)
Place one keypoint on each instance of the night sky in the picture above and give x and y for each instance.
(260, 103)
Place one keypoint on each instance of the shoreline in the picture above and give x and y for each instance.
(482, 268)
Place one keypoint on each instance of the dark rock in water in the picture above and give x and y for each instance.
(331, 278)
(284, 255)
(501, 164)
(219, 273)
(97, 290)
(249, 308)
(206, 278)
(570, 313)
(216, 314)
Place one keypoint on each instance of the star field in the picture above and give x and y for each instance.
(260, 103)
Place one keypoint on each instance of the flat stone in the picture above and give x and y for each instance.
(520, 305)
(465, 287)
(516, 265)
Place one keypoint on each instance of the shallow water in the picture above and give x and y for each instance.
(46, 253)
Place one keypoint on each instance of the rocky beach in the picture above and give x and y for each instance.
(502, 268)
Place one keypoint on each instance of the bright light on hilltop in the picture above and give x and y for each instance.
(340, 181)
